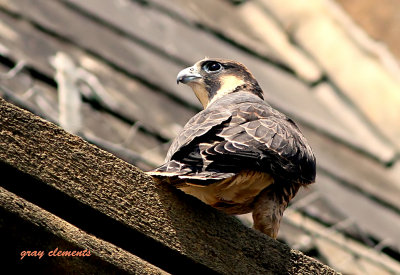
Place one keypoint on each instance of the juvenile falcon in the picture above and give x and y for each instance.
(239, 154)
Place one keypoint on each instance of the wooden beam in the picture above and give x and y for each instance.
(114, 201)
(42, 231)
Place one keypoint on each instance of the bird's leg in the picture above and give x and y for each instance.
(270, 205)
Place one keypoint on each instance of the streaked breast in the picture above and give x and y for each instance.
(233, 195)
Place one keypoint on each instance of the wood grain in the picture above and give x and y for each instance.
(91, 177)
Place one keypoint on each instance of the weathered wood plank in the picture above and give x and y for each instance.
(289, 107)
(133, 58)
(25, 226)
(248, 26)
(206, 13)
(374, 88)
(380, 21)
(291, 96)
(135, 99)
(283, 90)
(186, 42)
(360, 209)
(373, 144)
(42, 98)
(177, 40)
(112, 187)
(355, 169)
(335, 247)
(155, 111)
(361, 131)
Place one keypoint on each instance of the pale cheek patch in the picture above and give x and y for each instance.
(200, 92)
(228, 84)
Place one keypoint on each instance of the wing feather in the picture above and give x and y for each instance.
(247, 134)
(267, 141)
(197, 126)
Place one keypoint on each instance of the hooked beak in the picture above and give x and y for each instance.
(188, 75)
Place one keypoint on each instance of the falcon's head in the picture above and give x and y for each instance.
(212, 78)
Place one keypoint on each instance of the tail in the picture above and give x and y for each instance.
(270, 205)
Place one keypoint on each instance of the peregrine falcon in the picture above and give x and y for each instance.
(238, 155)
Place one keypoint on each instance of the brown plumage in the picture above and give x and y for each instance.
(239, 154)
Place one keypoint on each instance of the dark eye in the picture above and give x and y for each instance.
(212, 67)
